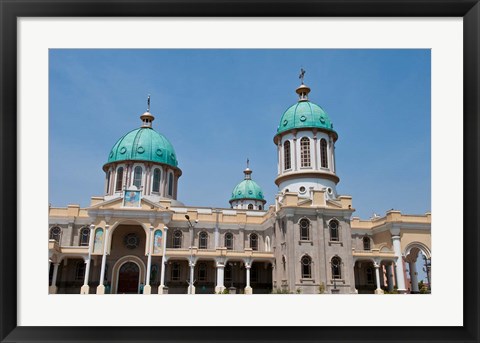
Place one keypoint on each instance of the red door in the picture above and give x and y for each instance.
(128, 278)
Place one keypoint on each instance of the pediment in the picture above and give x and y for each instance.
(118, 204)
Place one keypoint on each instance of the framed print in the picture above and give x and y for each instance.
(290, 261)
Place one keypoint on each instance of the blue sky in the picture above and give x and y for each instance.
(220, 107)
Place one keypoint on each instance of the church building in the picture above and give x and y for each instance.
(139, 238)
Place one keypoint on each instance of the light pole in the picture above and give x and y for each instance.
(191, 262)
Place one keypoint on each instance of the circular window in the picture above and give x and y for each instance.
(123, 150)
(172, 156)
(250, 192)
(140, 150)
(302, 189)
(111, 153)
(239, 192)
(333, 224)
(285, 122)
(159, 152)
(322, 119)
(329, 190)
(306, 261)
(131, 241)
(260, 194)
(304, 223)
(303, 118)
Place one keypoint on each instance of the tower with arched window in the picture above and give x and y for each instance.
(312, 235)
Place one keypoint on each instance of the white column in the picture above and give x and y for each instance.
(53, 285)
(216, 237)
(164, 262)
(248, 289)
(390, 276)
(85, 288)
(377, 277)
(382, 277)
(191, 287)
(147, 289)
(413, 276)
(399, 264)
(294, 153)
(278, 157)
(220, 278)
(101, 286)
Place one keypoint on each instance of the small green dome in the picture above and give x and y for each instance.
(143, 144)
(247, 189)
(304, 114)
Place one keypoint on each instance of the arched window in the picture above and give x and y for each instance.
(175, 273)
(323, 153)
(203, 240)
(84, 236)
(98, 240)
(254, 241)
(229, 241)
(305, 152)
(286, 155)
(304, 229)
(260, 207)
(267, 243)
(177, 239)
(80, 270)
(366, 243)
(170, 184)
(202, 271)
(137, 177)
(336, 267)
(156, 180)
(333, 225)
(119, 182)
(108, 181)
(306, 267)
(250, 206)
(55, 233)
(284, 263)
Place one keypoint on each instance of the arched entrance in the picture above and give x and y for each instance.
(128, 278)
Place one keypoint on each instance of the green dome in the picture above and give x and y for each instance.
(304, 114)
(247, 189)
(143, 144)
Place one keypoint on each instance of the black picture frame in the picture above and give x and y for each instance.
(11, 10)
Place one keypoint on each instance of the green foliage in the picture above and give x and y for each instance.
(281, 291)
(422, 287)
(395, 291)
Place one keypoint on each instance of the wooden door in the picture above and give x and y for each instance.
(128, 278)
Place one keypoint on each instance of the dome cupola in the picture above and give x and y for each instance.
(305, 141)
(247, 194)
(143, 158)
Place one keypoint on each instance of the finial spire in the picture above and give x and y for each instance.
(247, 171)
(302, 74)
(303, 89)
(147, 117)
